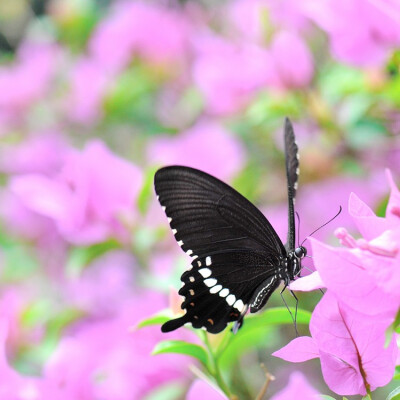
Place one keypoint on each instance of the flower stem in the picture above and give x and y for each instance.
(216, 372)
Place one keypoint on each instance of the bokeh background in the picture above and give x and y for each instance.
(96, 95)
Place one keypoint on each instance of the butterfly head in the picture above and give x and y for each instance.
(299, 253)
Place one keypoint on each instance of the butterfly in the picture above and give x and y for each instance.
(238, 260)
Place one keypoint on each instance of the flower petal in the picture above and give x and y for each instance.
(300, 349)
(308, 283)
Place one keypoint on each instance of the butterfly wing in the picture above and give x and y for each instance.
(233, 246)
(292, 174)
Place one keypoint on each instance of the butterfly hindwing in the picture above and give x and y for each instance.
(219, 288)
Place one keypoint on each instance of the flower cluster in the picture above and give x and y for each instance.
(348, 326)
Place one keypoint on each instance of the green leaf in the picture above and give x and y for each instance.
(76, 31)
(394, 394)
(156, 319)
(277, 316)
(258, 330)
(338, 81)
(80, 257)
(147, 191)
(380, 210)
(168, 391)
(397, 373)
(365, 133)
(392, 329)
(181, 347)
(246, 182)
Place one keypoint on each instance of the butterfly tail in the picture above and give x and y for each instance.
(174, 324)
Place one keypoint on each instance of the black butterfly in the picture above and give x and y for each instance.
(238, 258)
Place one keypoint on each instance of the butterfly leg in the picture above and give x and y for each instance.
(290, 312)
(295, 313)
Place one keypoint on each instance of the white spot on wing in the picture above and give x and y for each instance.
(191, 279)
(169, 219)
(189, 252)
(205, 272)
(164, 208)
(297, 171)
(210, 282)
(231, 299)
(224, 292)
(215, 289)
(239, 305)
(199, 263)
(208, 261)
(174, 231)
(180, 243)
(295, 185)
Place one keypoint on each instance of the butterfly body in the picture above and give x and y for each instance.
(238, 260)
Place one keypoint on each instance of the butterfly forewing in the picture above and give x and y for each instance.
(207, 216)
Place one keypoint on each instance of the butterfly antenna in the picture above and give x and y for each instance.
(326, 223)
(298, 228)
(295, 312)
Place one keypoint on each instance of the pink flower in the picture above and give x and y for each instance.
(366, 274)
(247, 17)
(378, 31)
(106, 359)
(253, 18)
(89, 83)
(297, 388)
(27, 80)
(90, 199)
(314, 212)
(206, 146)
(157, 34)
(286, 47)
(369, 225)
(43, 152)
(350, 345)
(104, 285)
(352, 276)
(23, 221)
(200, 390)
(228, 75)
